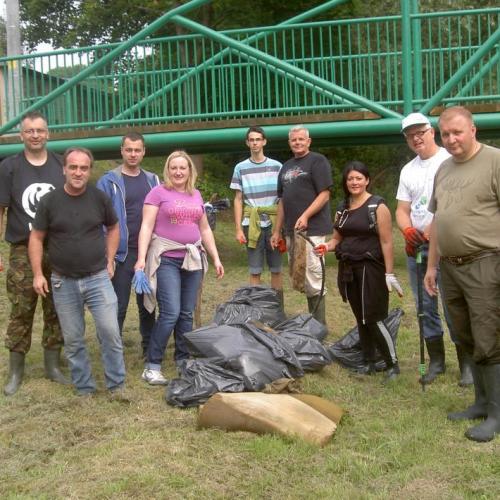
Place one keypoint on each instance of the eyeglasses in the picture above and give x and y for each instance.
(33, 131)
(417, 135)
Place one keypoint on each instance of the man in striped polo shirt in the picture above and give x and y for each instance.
(255, 182)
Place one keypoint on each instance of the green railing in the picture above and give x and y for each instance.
(342, 66)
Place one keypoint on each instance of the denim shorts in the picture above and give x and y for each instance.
(263, 249)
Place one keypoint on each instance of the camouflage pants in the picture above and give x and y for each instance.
(23, 300)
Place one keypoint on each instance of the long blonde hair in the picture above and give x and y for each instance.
(193, 174)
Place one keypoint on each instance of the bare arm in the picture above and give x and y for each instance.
(384, 223)
(278, 225)
(238, 216)
(318, 203)
(403, 218)
(2, 210)
(35, 253)
(430, 279)
(149, 213)
(207, 237)
(112, 242)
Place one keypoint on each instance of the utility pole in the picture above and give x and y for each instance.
(14, 81)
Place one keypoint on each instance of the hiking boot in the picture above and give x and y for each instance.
(464, 363)
(435, 348)
(391, 374)
(52, 363)
(366, 369)
(486, 430)
(154, 377)
(16, 373)
(479, 408)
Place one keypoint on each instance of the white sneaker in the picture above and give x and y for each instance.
(154, 377)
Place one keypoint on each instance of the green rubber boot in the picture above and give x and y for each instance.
(16, 373)
(319, 313)
(486, 430)
(52, 363)
(435, 348)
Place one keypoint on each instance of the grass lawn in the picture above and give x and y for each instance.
(393, 442)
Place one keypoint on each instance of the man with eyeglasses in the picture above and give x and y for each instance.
(24, 179)
(413, 219)
(255, 182)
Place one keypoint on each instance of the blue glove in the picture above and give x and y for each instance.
(140, 282)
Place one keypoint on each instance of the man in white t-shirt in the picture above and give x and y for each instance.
(413, 219)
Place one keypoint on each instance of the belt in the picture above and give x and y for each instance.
(467, 259)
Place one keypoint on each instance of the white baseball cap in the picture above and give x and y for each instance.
(414, 119)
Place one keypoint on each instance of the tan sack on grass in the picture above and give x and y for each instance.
(327, 408)
(266, 413)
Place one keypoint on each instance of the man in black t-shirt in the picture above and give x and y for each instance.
(82, 259)
(24, 179)
(304, 186)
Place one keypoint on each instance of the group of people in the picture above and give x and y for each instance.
(78, 245)
(91, 243)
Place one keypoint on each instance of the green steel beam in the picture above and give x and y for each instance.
(154, 26)
(416, 32)
(406, 54)
(265, 60)
(492, 63)
(223, 53)
(462, 72)
(377, 131)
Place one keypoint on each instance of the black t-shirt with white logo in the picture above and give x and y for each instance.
(22, 186)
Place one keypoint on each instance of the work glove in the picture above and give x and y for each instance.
(410, 250)
(281, 245)
(321, 250)
(413, 236)
(140, 282)
(391, 281)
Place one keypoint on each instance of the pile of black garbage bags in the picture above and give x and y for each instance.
(251, 343)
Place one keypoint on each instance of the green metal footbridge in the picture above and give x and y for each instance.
(349, 80)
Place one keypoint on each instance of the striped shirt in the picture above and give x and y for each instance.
(258, 182)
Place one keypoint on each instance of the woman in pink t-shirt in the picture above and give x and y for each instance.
(174, 216)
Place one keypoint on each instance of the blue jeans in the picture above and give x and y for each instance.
(95, 291)
(433, 326)
(176, 294)
(122, 283)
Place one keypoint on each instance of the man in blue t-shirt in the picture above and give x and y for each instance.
(127, 185)
(255, 181)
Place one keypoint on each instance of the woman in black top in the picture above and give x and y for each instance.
(362, 242)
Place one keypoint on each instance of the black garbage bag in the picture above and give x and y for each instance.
(306, 323)
(258, 357)
(248, 303)
(200, 379)
(311, 353)
(279, 348)
(347, 350)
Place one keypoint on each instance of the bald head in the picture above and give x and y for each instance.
(458, 133)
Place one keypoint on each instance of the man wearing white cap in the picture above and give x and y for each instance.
(413, 219)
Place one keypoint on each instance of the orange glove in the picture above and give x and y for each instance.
(321, 250)
(281, 245)
(413, 236)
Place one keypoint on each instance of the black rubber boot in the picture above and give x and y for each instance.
(486, 430)
(16, 373)
(392, 373)
(464, 363)
(435, 348)
(52, 360)
(319, 315)
(479, 408)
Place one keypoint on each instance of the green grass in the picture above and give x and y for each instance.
(394, 442)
